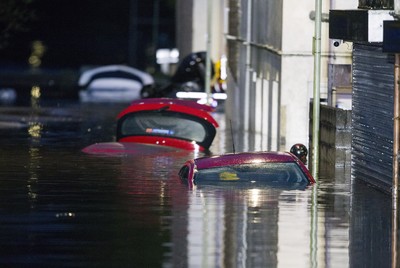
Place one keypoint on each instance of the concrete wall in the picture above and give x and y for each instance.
(335, 141)
(184, 28)
(254, 45)
(274, 78)
(191, 27)
(298, 64)
(271, 77)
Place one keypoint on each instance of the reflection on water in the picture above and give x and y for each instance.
(61, 207)
(248, 228)
(370, 227)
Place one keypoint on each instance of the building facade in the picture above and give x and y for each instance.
(269, 47)
(373, 78)
(270, 54)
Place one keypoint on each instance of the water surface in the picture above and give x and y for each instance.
(60, 207)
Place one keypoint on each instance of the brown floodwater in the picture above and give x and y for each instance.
(60, 207)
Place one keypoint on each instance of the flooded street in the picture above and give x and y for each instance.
(60, 207)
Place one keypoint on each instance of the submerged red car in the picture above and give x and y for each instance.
(253, 168)
(167, 122)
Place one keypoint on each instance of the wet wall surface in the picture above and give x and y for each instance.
(60, 207)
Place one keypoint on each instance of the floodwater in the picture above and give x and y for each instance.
(60, 207)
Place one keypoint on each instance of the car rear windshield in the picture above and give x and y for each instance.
(270, 173)
(164, 123)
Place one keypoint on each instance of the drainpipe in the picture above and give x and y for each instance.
(396, 148)
(248, 67)
(316, 92)
(315, 130)
(396, 124)
(208, 56)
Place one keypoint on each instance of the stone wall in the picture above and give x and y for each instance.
(335, 140)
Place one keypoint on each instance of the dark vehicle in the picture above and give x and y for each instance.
(266, 168)
(189, 77)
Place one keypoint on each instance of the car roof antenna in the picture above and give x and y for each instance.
(233, 140)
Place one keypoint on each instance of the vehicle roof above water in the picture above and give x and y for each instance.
(181, 106)
(188, 103)
(115, 71)
(244, 158)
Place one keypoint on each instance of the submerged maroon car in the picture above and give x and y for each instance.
(252, 168)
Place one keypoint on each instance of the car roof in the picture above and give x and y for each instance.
(149, 105)
(115, 71)
(243, 158)
(187, 103)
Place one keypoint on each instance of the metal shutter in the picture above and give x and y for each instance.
(372, 115)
